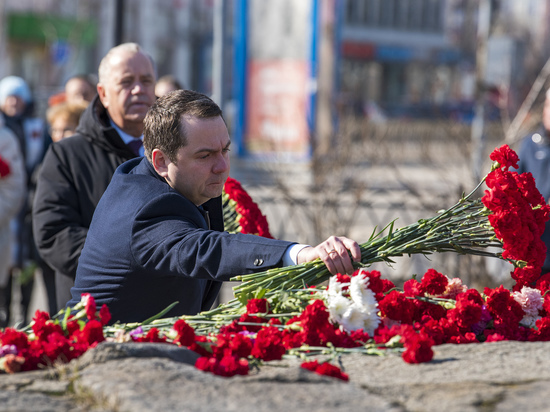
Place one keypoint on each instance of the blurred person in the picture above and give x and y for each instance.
(76, 171)
(534, 157)
(157, 235)
(12, 194)
(63, 119)
(167, 84)
(80, 88)
(16, 107)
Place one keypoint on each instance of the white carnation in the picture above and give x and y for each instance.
(334, 287)
(370, 323)
(354, 318)
(360, 293)
(337, 306)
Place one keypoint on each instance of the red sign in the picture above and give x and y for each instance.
(358, 50)
(277, 108)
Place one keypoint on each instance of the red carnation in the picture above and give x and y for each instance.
(326, 369)
(503, 307)
(542, 332)
(245, 321)
(153, 335)
(235, 344)
(505, 157)
(200, 346)
(268, 344)
(104, 315)
(90, 308)
(412, 288)
(257, 306)
(12, 336)
(186, 334)
(466, 312)
(397, 307)
(226, 366)
(433, 283)
(418, 346)
(91, 334)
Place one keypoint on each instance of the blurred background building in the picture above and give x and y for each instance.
(284, 70)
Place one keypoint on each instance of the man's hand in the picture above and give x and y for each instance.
(334, 252)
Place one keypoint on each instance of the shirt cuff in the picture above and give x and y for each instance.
(291, 254)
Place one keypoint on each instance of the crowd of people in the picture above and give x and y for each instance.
(117, 193)
(25, 140)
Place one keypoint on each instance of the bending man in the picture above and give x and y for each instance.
(157, 233)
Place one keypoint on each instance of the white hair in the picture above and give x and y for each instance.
(104, 69)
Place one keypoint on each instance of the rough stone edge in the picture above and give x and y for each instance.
(107, 351)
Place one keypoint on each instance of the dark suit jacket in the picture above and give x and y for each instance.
(148, 246)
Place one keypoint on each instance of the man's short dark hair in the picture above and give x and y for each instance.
(163, 127)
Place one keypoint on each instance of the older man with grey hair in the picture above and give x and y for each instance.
(76, 171)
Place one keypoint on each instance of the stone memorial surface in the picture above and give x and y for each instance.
(499, 376)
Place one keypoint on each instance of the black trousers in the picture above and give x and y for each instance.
(6, 300)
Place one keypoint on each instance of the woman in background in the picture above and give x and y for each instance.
(63, 119)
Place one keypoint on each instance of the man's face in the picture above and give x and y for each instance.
(78, 90)
(202, 166)
(129, 91)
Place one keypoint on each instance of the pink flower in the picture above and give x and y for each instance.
(454, 287)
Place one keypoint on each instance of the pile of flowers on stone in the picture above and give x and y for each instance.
(294, 312)
(48, 341)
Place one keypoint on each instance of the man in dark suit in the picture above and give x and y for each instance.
(157, 234)
(76, 171)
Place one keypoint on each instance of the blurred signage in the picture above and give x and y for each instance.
(277, 108)
(277, 79)
(43, 28)
(358, 50)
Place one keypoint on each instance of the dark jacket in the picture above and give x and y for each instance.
(75, 173)
(148, 247)
(33, 141)
(534, 157)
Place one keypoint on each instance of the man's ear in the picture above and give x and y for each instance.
(101, 94)
(160, 162)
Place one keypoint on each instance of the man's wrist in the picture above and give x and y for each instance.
(290, 257)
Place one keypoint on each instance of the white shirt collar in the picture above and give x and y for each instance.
(126, 138)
